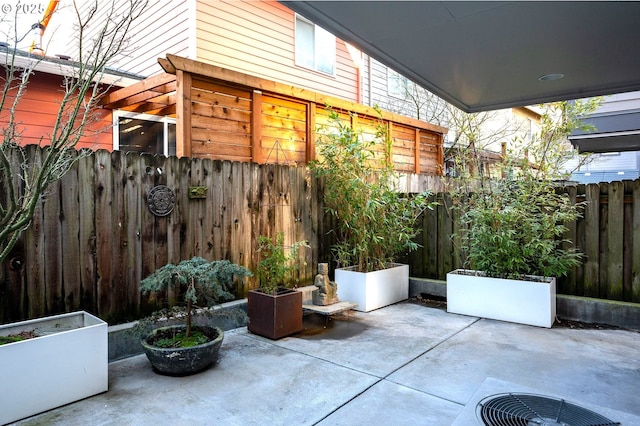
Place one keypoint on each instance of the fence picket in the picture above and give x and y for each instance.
(615, 239)
(635, 243)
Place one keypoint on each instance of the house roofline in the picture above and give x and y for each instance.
(63, 67)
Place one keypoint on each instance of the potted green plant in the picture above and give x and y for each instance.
(375, 222)
(274, 308)
(516, 250)
(188, 348)
(513, 228)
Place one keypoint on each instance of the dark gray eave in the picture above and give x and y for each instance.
(489, 55)
(614, 132)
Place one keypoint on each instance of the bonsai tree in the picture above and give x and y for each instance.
(375, 222)
(199, 280)
(276, 268)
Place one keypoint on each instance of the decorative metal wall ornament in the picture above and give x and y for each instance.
(161, 200)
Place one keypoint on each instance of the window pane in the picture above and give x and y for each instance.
(325, 51)
(304, 43)
(171, 135)
(395, 83)
(141, 135)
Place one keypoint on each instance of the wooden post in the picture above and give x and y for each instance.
(183, 114)
(310, 132)
(256, 127)
(440, 138)
(416, 153)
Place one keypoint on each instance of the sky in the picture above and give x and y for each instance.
(21, 15)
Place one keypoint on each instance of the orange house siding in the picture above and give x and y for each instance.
(37, 110)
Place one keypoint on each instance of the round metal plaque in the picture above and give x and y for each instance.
(161, 200)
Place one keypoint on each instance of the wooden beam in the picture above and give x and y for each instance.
(149, 95)
(166, 65)
(267, 86)
(183, 114)
(149, 84)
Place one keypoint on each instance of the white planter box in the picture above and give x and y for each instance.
(373, 290)
(68, 362)
(525, 302)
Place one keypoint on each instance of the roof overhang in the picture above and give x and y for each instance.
(64, 67)
(490, 55)
(614, 132)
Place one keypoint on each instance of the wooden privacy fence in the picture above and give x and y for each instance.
(94, 237)
(608, 235)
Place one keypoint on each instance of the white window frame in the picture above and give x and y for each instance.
(317, 47)
(117, 114)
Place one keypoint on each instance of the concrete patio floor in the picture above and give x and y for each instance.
(405, 364)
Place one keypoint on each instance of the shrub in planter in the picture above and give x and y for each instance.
(277, 267)
(375, 221)
(516, 229)
(274, 309)
(515, 246)
(186, 349)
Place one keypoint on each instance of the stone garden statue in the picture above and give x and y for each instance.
(327, 292)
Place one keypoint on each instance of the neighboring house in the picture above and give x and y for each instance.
(201, 110)
(263, 39)
(615, 142)
(259, 38)
(37, 110)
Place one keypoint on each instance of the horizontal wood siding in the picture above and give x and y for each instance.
(377, 87)
(162, 28)
(220, 122)
(431, 153)
(37, 110)
(258, 38)
(284, 126)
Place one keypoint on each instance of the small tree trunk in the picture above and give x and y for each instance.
(188, 332)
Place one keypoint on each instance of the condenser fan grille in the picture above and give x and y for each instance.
(519, 409)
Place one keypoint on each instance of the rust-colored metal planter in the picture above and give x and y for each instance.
(274, 316)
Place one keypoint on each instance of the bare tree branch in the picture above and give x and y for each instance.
(23, 181)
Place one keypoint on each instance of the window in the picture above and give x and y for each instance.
(315, 47)
(144, 133)
(397, 85)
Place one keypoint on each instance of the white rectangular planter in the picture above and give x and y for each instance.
(68, 361)
(525, 302)
(373, 290)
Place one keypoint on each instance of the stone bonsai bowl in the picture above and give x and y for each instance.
(184, 361)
